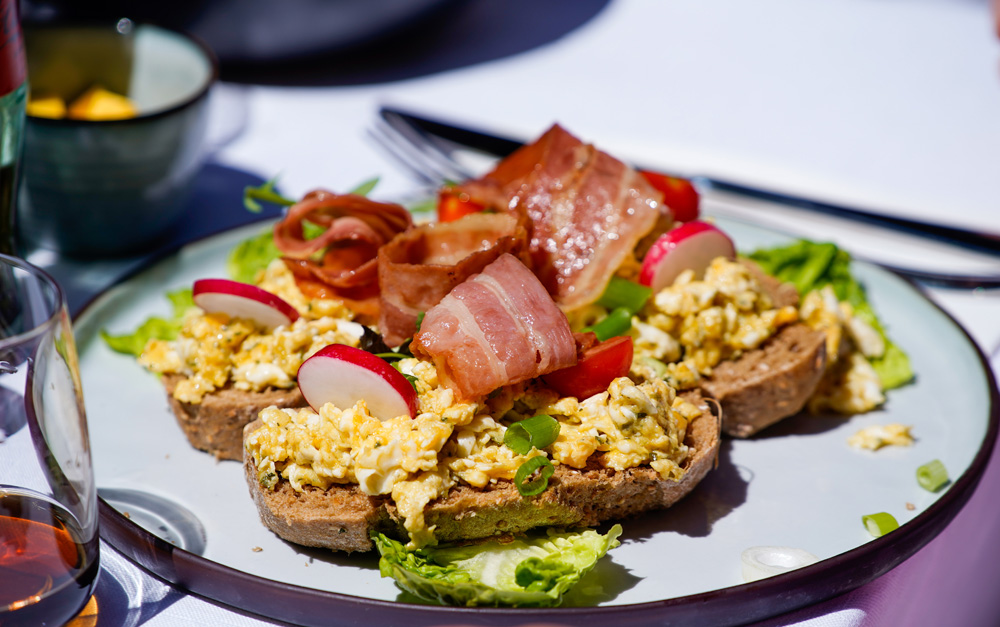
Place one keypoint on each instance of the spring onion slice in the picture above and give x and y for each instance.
(616, 323)
(535, 432)
(879, 524)
(538, 483)
(624, 293)
(766, 561)
(932, 475)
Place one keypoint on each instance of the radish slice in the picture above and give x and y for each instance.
(766, 561)
(690, 246)
(240, 300)
(344, 375)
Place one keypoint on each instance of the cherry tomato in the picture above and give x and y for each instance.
(678, 194)
(453, 205)
(598, 367)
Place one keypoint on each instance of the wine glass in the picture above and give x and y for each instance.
(48, 499)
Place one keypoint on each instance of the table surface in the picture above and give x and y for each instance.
(888, 107)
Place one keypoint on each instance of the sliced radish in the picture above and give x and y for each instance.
(344, 375)
(690, 246)
(241, 300)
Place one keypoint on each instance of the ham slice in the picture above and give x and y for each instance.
(587, 212)
(418, 268)
(355, 227)
(497, 328)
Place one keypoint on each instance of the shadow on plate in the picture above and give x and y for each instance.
(718, 494)
(803, 423)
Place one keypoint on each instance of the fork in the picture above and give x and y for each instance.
(434, 161)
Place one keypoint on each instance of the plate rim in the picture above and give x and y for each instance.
(271, 599)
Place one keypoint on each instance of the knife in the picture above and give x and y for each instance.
(499, 146)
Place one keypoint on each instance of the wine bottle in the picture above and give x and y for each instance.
(13, 94)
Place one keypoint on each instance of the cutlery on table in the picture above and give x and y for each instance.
(435, 152)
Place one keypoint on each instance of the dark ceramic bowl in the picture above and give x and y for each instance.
(104, 188)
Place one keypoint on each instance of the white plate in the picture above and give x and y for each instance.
(798, 484)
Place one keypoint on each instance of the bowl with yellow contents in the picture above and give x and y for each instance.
(115, 121)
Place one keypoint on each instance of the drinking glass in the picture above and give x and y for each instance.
(48, 500)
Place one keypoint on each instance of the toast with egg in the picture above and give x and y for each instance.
(769, 384)
(764, 386)
(215, 425)
(343, 517)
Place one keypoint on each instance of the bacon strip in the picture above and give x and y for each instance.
(355, 228)
(587, 212)
(418, 268)
(498, 328)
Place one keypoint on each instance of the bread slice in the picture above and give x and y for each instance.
(770, 383)
(216, 424)
(341, 517)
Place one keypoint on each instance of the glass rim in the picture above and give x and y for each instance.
(58, 306)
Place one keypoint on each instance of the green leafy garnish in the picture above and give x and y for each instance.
(154, 328)
(528, 572)
(252, 256)
(365, 187)
(811, 266)
(265, 192)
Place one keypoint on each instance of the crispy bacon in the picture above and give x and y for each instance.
(418, 268)
(587, 212)
(355, 228)
(497, 328)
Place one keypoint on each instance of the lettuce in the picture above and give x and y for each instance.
(527, 572)
(251, 256)
(811, 266)
(154, 328)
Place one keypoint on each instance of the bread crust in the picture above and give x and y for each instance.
(341, 517)
(769, 384)
(216, 424)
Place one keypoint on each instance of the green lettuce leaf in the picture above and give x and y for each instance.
(528, 572)
(154, 328)
(251, 256)
(811, 266)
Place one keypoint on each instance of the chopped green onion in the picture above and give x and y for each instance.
(535, 432)
(879, 524)
(537, 484)
(420, 319)
(932, 475)
(616, 323)
(624, 293)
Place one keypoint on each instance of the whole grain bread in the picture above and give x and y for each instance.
(770, 383)
(342, 517)
(216, 424)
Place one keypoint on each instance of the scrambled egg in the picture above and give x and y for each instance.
(850, 384)
(214, 350)
(693, 325)
(877, 436)
(451, 443)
